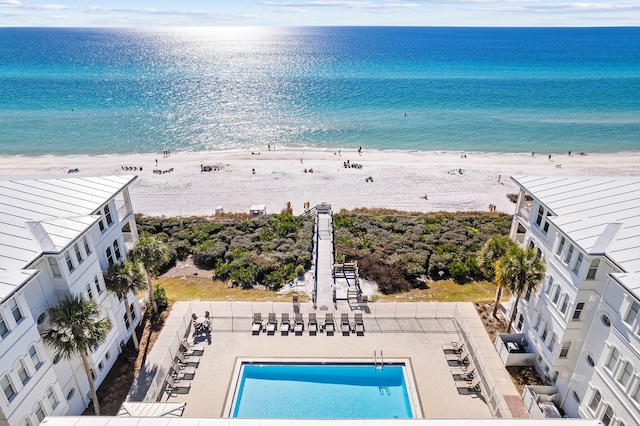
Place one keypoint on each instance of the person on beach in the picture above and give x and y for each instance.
(549, 156)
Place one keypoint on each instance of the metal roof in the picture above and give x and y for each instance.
(600, 214)
(44, 215)
(11, 280)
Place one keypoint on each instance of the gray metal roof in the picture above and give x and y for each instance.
(44, 215)
(600, 214)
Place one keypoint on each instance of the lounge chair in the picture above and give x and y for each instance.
(470, 388)
(256, 325)
(359, 323)
(193, 362)
(285, 324)
(466, 376)
(453, 348)
(272, 323)
(459, 362)
(328, 323)
(313, 324)
(189, 349)
(457, 356)
(173, 386)
(299, 323)
(181, 372)
(345, 325)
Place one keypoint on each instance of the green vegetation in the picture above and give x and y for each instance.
(246, 251)
(399, 251)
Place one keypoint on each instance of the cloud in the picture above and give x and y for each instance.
(337, 3)
(11, 2)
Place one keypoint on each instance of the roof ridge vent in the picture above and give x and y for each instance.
(605, 238)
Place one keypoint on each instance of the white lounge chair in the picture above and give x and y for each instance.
(182, 372)
(329, 325)
(173, 386)
(272, 323)
(193, 362)
(359, 323)
(189, 349)
(285, 324)
(256, 325)
(345, 325)
(299, 323)
(313, 324)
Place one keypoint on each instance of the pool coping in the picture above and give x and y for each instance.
(413, 395)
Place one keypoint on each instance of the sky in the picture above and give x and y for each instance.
(190, 13)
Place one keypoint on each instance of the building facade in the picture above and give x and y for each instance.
(57, 237)
(583, 322)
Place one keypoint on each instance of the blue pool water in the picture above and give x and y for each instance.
(322, 391)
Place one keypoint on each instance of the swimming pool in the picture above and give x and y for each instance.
(321, 391)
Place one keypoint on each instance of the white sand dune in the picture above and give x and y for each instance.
(400, 179)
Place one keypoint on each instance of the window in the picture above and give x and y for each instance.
(89, 291)
(96, 281)
(607, 416)
(547, 290)
(552, 342)
(67, 259)
(26, 422)
(627, 373)
(576, 397)
(590, 360)
(605, 320)
(107, 215)
(520, 322)
(109, 256)
(15, 310)
(55, 269)
(39, 411)
(101, 365)
(35, 358)
(564, 352)
(577, 313)
(85, 242)
(569, 254)
(545, 228)
(133, 311)
(76, 249)
(540, 215)
(636, 395)
(632, 314)
(538, 320)
(556, 295)
(41, 318)
(613, 359)
(561, 245)
(51, 396)
(107, 355)
(93, 374)
(101, 225)
(116, 249)
(23, 374)
(70, 394)
(126, 321)
(578, 264)
(56, 358)
(593, 269)
(527, 295)
(7, 387)
(565, 304)
(3, 327)
(595, 400)
(545, 332)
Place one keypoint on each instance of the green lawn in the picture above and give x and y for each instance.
(200, 288)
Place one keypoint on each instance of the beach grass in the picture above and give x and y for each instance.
(446, 291)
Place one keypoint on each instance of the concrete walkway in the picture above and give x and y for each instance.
(324, 262)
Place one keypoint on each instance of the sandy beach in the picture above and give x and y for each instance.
(389, 179)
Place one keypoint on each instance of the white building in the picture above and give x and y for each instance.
(583, 324)
(57, 236)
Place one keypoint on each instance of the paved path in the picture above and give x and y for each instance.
(324, 261)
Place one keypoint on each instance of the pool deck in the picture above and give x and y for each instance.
(400, 331)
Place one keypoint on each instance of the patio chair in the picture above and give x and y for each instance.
(345, 325)
(172, 386)
(457, 356)
(313, 324)
(328, 323)
(189, 349)
(470, 388)
(272, 323)
(453, 348)
(285, 324)
(256, 325)
(299, 323)
(181, 372)
(359, 323)
(193, 362)
(464, 375)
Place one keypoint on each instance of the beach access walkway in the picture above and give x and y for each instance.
(324, 286)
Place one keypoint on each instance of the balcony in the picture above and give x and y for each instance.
(513, 350)
(541, 402)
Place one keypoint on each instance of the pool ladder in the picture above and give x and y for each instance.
(375, 360)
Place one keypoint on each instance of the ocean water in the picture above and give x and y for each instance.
(101, 91)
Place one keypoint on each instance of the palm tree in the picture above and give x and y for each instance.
(122, 278)
(152, 253)
(488, 255)
(77, 327)
(519, 270)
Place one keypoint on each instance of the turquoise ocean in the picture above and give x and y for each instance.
(118, 91)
